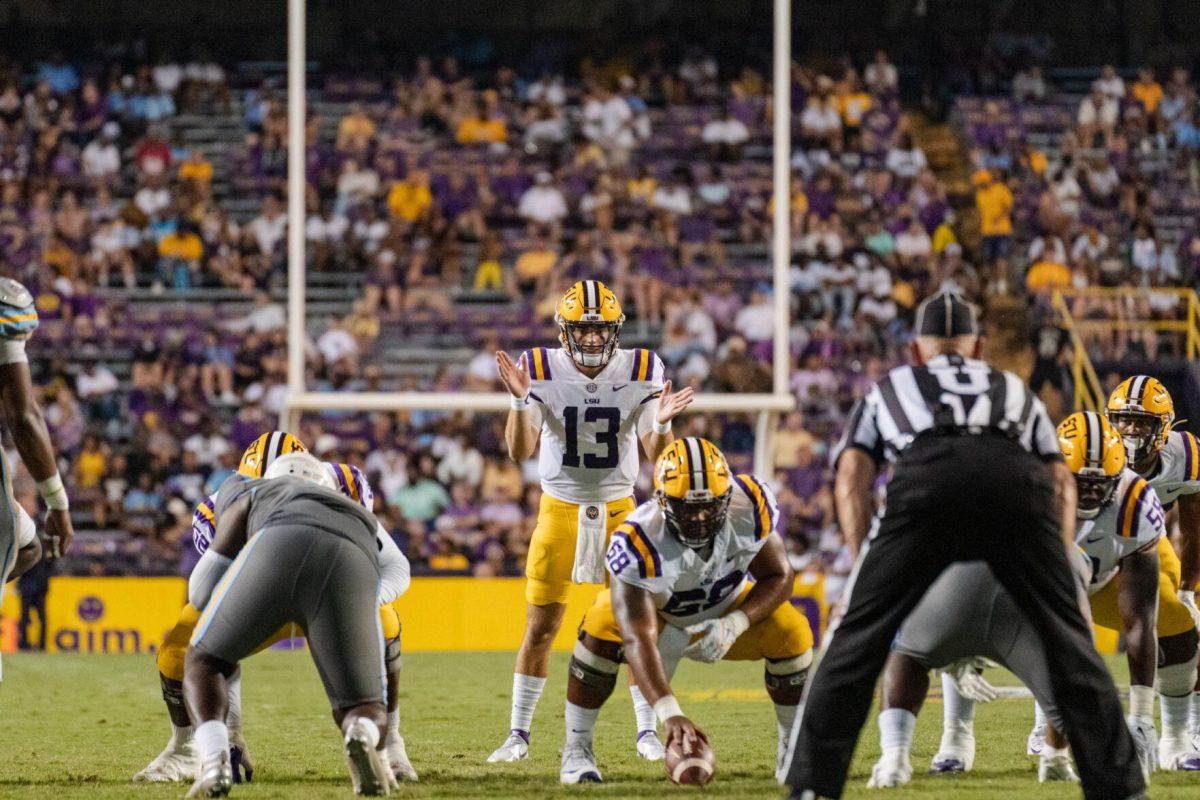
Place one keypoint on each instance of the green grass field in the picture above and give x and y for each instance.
(80, 726)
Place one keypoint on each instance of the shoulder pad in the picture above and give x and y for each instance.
(756, 503)
(14, 294)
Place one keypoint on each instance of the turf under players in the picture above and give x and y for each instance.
(589, 403)
(178, 760)
(701, 558)
(24, 421)
(290, 548)
(1142, 411)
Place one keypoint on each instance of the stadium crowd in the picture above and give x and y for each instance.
(464, 204)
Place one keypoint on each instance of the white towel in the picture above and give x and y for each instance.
(589, 544)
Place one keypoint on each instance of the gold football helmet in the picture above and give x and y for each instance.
(693, 485)
(589, 306)
(1143, 413)
(1095, 454)
(265, 449)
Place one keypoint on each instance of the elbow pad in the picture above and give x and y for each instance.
(208, 572)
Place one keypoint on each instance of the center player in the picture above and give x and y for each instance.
(1142, 411)
(590, 403)
(683, 563)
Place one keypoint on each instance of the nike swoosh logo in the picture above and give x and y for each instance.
(619, 388)
(614, 513)
(1090, 540)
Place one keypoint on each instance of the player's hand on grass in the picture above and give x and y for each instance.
(514, 374)
(671, 403)
(716, 637)
(971, 684)
(683, 730)
(59, 533)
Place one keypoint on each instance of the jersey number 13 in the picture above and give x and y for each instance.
(606, 455)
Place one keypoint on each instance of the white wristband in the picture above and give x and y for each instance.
(519, 403)
(667, 707)
(54, 493)
(1141, 701)
(661, 428)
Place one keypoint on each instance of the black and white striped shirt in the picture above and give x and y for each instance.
(949, 394)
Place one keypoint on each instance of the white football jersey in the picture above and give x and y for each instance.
(590, 427)
(1133, 521)
(1178, 470)
(686, 587)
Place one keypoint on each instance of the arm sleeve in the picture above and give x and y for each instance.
(204, 578)
(394, 573)
(26, 529)
(12, 351)
(861, 430)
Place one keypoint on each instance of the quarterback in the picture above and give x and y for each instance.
(681, 567)
(24, 421)
(590, 404)
(179, 759)
(1142, 411)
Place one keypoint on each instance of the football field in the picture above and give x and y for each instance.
(80, 726)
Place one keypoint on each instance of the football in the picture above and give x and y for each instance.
(691, 769)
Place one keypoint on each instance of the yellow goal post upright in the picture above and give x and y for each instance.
(767, 407)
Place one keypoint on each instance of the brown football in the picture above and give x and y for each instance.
(691, 769)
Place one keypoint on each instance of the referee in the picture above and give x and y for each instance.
(977, 476)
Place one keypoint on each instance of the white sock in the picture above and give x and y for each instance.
(784, 717)
(581, 722)
(1049, 752)
(896, 726)
(1039, 716)
(958, 712)
(233, 717)
(643, 711)
(526, 692)
(212, 740)
(1175, 713)
(181, 735)
(393, 724)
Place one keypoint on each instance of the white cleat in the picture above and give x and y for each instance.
(515, 748)
(1056, 768)
(215, 780)
(578, 765)
(894, 768)
(650, 747)
(955, 754)
(1036, 741)
(1178, 755)
(178, 761)
(397, 758)
(368, 772)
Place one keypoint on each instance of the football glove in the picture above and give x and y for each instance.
(1188, 598)
(1145, 742)
(716, 636)
(966, 674)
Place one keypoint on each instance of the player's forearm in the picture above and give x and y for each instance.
(641, 653)
(520, 436)
(765, 597)
(655, 443)
(852, 490)
(1137, 602)
(1065, 499)
(27, 426)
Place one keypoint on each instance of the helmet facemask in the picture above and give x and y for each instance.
(1095, 491)
(696, 521)
(571, 335)
(1140, 432)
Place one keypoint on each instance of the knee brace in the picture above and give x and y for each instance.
(1176, 680)
(593, 671)
(787, 677)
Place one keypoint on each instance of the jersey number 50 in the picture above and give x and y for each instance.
(607, 437)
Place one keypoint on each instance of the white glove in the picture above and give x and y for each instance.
(971, 684)
(1188, 598)
(717, 636)
(1145, 742)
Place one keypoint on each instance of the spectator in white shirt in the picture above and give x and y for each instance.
(1144, 253)
(906, 160)
(913, 243)
(482, 374)
(96, 388)
(549, 89)
(1097, 116)
(756, 321)
(608, 121)
(1110, 83)
(877, 308)
(1102, 182)
(820, 122)
(101, 158)
(725, 136)
(1047, 247)
(675, 196)
(208, 445)
(1028, 84)
(1089, 246)
(265, 317)
(880, 75)
(337, 347)
(268, 228)
(326, 234)
(167, 76)
(153, 199)
(355, 186)
(543, 206)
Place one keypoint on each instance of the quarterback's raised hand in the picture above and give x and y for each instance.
(514, 374)
(671, 404)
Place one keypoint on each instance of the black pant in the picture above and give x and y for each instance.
(954, 499)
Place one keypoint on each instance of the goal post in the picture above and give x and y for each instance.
(767, 407)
